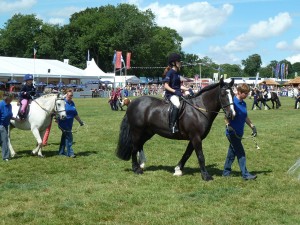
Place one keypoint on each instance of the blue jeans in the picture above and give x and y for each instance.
(66, 141)
(235, 149)
(4, 142)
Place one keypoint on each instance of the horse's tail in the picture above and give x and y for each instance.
(124, 148)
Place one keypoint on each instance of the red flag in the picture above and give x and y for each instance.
(118, 60)
(128, 56)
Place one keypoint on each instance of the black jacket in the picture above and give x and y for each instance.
(27, 92)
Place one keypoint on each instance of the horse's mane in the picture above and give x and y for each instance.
(205, 89)
(47, 95)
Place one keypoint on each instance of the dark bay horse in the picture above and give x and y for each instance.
(272, 96)
(147, 116)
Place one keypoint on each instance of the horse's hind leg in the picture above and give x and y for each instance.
(188, 152)
(135, 165)
(38, 149)
(138, 142)
(12, 151)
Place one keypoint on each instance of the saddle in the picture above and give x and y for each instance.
(171, 106)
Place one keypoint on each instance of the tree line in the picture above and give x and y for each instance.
(124, 27)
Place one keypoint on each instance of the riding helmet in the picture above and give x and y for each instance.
(174, 57)
(28, 77)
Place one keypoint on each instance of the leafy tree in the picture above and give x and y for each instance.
(232, 70)
(124, 27)
(18, 35)
(252, 65)
(296, 68)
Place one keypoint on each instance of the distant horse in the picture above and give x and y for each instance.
(272, 96)
(147, 116)
(39, 117)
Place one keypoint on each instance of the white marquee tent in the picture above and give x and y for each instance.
(17, 67)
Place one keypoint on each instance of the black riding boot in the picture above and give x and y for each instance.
(173, 118)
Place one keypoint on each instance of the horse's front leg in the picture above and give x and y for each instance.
(188, 152)
(38, 149)
(197, 143)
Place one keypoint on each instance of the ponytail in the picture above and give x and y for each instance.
(166, 71)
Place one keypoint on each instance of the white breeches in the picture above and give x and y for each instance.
(175, 101)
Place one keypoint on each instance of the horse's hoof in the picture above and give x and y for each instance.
(32, 153)
(142, 165)
(178, 171)
(139, 171)
(41, 156)
(207, 177)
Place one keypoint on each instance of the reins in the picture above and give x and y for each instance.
(241, 138)
(46, 110)
(199, 108)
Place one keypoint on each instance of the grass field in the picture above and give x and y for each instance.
(98, 188)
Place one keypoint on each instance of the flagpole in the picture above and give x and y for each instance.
(34, 55)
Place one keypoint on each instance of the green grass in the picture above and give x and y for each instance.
(98, 188)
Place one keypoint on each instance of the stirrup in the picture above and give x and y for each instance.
(174, 129)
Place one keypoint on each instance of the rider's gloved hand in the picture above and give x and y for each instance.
(254, 131)
(81, 123)
(178, 93)
(191, 92)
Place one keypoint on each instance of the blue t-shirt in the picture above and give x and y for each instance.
(5, 113)
(71, 112)
(238, 123)
(173, 79)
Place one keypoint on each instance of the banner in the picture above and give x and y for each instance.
(282, 70)
(118, 60)
(277, 70)
(286, 71)
(114, 58)
(128, 57)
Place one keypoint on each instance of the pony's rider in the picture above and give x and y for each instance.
(264, 90)
(26, 94)
(173, 88)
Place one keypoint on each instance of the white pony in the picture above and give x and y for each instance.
(38, 118)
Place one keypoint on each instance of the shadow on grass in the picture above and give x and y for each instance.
(27, 153)
(212, 170)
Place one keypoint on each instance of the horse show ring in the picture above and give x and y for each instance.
(102, 185)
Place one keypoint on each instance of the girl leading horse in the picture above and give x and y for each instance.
(147, 116)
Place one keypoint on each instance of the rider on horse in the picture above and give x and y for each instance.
(26, 94)
(173, 88)
(264, 90)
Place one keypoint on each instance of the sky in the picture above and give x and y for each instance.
(227, 31)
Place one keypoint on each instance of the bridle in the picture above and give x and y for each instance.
(55, 108)
(223, 107)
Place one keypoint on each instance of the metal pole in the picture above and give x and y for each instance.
(200, 76)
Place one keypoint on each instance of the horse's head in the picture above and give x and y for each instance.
(226, 98)
(60, 109)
